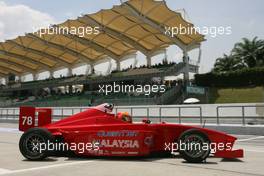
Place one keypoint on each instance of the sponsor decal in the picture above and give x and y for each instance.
(118, 153)
(124, 144)
(148, 141)
(117, 134)
(132, 153)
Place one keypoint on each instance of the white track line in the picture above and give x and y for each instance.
(256, 151)
(250, 139)
(10, 130)
(5, 171)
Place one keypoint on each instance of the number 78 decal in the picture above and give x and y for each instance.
(27, 120)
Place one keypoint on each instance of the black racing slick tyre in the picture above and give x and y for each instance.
(33, 144)
(196, 146)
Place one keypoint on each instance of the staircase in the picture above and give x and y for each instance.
(171, 96)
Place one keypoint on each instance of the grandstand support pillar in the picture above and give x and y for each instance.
(21, 78)
(69, 74)
(165, 56)
(135, 62)
(35, 77)
(87, 70)
(148, 61)
(51, 74)
(6, 80)
(187, 68)
(92, 68)
(118, 65)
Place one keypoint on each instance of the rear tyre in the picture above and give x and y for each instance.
(33, 143)
(197, 146)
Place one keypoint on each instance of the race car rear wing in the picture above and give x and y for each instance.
(30, 117)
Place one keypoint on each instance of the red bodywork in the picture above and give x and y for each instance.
(116, 137)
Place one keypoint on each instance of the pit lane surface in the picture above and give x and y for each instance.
(13, 163)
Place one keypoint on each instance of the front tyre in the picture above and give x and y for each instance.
(33, 143)
(196, 146)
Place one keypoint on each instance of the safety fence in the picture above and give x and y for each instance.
(239, 115)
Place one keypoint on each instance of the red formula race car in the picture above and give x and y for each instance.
(99, 132)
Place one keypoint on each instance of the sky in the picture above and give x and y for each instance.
(245, 17)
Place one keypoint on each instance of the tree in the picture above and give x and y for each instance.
(251, 52)
(228, 63)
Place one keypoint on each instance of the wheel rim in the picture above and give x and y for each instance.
(33, 143)
(195, 146)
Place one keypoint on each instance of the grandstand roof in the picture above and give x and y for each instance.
(135, 25)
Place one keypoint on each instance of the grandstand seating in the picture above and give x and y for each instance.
(95, 98)
(170, 69)
(91, 98)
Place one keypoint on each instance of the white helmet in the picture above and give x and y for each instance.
(106, 107)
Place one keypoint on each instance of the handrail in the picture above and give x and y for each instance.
(4, 112)
(236, 106)
(156, 111)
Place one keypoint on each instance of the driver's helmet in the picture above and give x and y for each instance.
(106, 107)
(124, 116)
